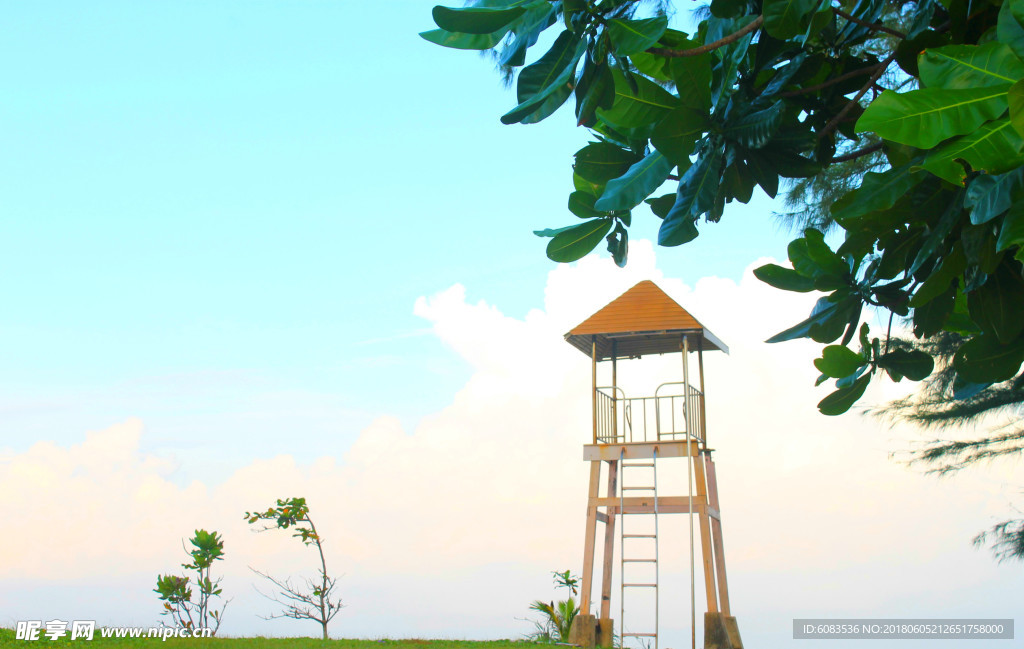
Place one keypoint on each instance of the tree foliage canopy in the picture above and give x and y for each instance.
(764, 92)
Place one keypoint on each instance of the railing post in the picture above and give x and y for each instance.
(703, 397)
(615, 398)
(687, 414)
(593, 377)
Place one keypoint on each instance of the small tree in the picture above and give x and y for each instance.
(314, 601)
(176, 592)
(558, 616)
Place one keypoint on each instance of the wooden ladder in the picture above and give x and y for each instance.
(628, 552)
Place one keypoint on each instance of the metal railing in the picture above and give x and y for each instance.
(673, 413)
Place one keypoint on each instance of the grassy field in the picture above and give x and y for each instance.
(7, 640)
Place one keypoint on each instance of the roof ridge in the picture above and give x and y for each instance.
(644, 310)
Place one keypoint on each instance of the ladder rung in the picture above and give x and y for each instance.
(638, 488)
(639, 585)
(640, 560)
(639, 536)
(642, 635)
(642, 464)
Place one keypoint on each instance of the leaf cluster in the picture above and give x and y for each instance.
(764, 93)
(290, 512)
(176, 591)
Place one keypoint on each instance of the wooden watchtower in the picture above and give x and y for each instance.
(635, 437)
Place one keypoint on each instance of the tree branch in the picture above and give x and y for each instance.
(831, 82)
(704, 49)
(859, 153)
(834, 122)
(864, 23)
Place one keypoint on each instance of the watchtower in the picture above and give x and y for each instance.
(636, 437)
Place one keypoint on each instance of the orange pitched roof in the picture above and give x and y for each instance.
(643, 320)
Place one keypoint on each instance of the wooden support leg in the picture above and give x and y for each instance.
(609, 543)
(705, 534)
(716, 532)
(591, 533)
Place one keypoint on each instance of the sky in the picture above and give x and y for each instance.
(250, 250)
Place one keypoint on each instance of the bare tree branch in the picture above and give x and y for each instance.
(710, 47)
(864, 23)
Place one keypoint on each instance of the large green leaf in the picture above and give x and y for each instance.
(543, 86)
(754, 130)
(551, 102)
(838, 361)
(654, 66)
(695, 195)
(550, 232)
(1011, 233)
(930, 317)
(680, 231)
(984, 360)
(843, 399)
(589, 186)
(732, 56)
(784, 278)
(460, 41)
(631, 36)
(692, 76)
(578, 240)
(994, 148)
(540, 75)
(989, 196)
(628, 190)
(937, 234)
(538, 17)
(661, 205)
(998, 304)
(476, 20)
(970, 66)
(582, 205)
(595, 89)
(1010, 27)
(789, 164)
(678, 132)
(1015, 98)
(812, 257)
(764, 173)
(825, 318)
(647, 104)
(949, 269)
(923, 118)
(784, 19)
(877, 191)
(599, 162)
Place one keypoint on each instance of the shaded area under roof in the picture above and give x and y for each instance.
(643, 320)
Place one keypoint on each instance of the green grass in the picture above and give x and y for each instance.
(7, 640)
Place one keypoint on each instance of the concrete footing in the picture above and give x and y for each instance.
(721, 632)
(587, 632)
(584, 631)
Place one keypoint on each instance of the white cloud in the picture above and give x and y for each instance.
(450, 529)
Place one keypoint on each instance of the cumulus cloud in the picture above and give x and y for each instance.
(451, 528)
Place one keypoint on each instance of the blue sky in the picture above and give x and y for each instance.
(253, 249)
(254, 194)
